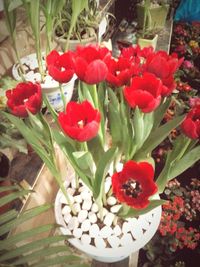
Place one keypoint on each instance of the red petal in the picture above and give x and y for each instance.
(96, 72)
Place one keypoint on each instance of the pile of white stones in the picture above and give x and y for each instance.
(85, 225)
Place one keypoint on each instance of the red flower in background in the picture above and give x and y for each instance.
(164, 67)
(60, 67)
(25, 96)
(134, 184)
(191, 124)
(81, 121)
(144, 92)
(89, 64)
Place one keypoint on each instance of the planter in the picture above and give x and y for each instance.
(148, 42)
(73, 43)
(158, 15)
(110, 240)
(50, 87)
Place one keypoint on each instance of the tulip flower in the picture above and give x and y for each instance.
(134, 184)
(23, 98)
(81, 121)
(60, 67)
(191, 124)
(144, 92)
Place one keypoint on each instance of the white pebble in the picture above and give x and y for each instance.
(115, 209)
(82, 189)
(92, 217)
(107, 184)
(77, 207)
(73, 223)
(73, 183)
(63, 199)
(86, 195)
(70, 191)
(109, 219)
(37, 77)
(99, 242)
(126, 227)
(117, 230)
(119, 167)
(66, 209)
(78, 199)
(77, 232)
(126, 240)
(67, 217)
(105, 232)
(65, 231)
(95, 207)
(111, 201)
(85, 239)
(113, 241)
(85, 226)
(94, 230)
(87, 204)
(82, 215)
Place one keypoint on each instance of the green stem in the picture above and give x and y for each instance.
(62, 95)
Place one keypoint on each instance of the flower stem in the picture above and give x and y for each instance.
(62, 95)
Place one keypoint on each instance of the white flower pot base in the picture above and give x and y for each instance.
(103, 241)
(49, 86)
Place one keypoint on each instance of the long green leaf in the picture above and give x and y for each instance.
(14, 239)
(9, 215)
(8, 198)
(158, 136)
(160, 112)
(129, 213)
(24, 217)
(102, 170)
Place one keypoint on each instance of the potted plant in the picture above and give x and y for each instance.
(148, 18)
(110, 204)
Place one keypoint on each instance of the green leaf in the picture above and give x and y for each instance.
(138, 125)
(8, 198)
(185, 162)
(159, 113)
(115, 124)
(24, 217)
(14, 4)
(85, 161)
(14, 239)
(102, 170)
(136, 212)
(157, 136)
(9, 215)
(30, 247)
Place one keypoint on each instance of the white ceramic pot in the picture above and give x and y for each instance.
(147, 42)
(89, 237)
(49, 86)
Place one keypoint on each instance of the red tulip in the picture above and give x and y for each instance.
(60, 67)
(134, 184)
(89, 65)
(26, 96)
(164, 67)
(144, 92)
(81, 121)
(191, 124)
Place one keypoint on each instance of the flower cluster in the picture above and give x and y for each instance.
(117, 118)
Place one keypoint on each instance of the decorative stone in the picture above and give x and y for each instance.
(82, 215)
(126, 227)
(77, 207)
(105, 232)
(109, 219)
(70, 191)
(85, 239)
(92, 217)
(63, 199)
(77, 232)
(111, 201)
(73, 183)
(85, 226)
(78, 199)
(67, 217)
(99, 242)
(117, 230)
(65, 231)
(82, 189)
(126, 239)
(114, 241)
(107, 184)
(115, 209)
(95, 208)
(71, 198)
(86, 195)
(73, 223)
(87, 204)
(119, 167)
(94, 230)
(66, 209)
